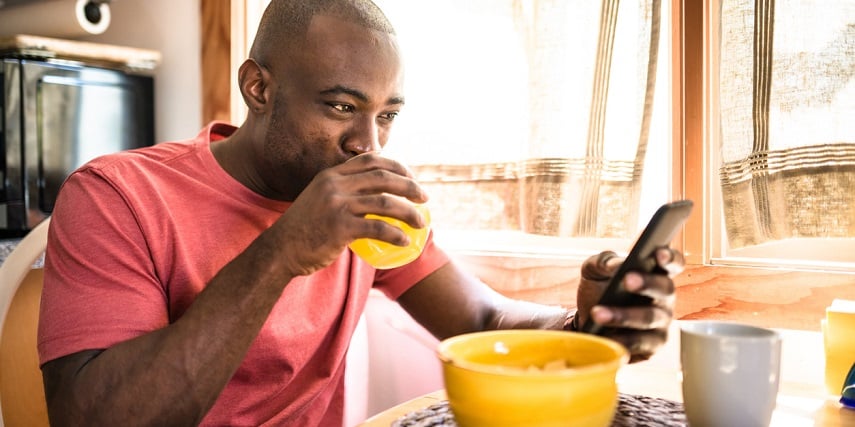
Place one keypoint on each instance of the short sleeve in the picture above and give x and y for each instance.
(100, 285)
(394, 282)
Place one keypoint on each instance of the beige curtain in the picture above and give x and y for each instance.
(787, 119)
(591, 79)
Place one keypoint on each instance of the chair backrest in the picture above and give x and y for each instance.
(22, 397)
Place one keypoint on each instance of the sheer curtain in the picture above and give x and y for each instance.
(583, 173)
(787, 119)
(531, 115)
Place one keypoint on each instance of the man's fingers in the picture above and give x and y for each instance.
(670, 260)
(601, 267)
(613, 262)
(641, 344)
(658, 287)
(638, 318)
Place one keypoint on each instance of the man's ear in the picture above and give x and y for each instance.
(253, 81)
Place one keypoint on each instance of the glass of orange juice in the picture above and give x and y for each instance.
(382, 255)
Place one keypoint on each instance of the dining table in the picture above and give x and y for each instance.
(802, 396)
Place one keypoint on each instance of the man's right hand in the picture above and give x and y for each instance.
(330, 212)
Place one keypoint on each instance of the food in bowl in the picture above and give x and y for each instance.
(532, 378)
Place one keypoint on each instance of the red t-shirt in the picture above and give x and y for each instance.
(134, 238)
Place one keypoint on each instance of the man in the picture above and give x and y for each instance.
(209, 282)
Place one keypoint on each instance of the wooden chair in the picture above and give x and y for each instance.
(22, 396)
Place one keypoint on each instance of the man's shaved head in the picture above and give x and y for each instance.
(285, 21)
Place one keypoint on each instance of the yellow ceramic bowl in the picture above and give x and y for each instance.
(384, 255)
(531, 378)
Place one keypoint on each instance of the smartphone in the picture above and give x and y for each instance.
(663, 226)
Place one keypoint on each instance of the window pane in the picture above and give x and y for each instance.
(787, 140)
(492, 90)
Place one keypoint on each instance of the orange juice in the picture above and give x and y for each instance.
(384, 255)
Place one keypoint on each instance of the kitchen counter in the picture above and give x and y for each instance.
(6, 248)
(8, 245)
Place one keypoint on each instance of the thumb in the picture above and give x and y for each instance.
(601, 266)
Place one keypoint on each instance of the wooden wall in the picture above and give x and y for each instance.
(216, 65)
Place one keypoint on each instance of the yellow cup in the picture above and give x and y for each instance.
(384, 255)
(837, 331)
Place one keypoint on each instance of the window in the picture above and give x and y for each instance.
(780, 97)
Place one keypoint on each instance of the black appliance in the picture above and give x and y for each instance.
(55, 115)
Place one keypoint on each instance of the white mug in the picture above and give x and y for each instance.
(730, 373)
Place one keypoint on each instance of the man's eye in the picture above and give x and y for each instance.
(390, 116)
(344, 108)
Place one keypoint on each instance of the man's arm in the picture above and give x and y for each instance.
(450, 302)
(172, 375)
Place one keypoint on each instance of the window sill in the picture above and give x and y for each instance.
(767, 297)
(519, 245)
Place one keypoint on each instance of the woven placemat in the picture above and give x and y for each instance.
(632, 411)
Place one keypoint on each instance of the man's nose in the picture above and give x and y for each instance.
(366, 137)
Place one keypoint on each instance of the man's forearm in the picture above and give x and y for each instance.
(175, 374)
(517, 314)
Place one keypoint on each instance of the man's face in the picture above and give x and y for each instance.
(333, 100)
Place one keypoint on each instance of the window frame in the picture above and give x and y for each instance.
(705, 239)
(692, 165)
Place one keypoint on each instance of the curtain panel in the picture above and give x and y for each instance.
(787, 104)
(591, 70)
